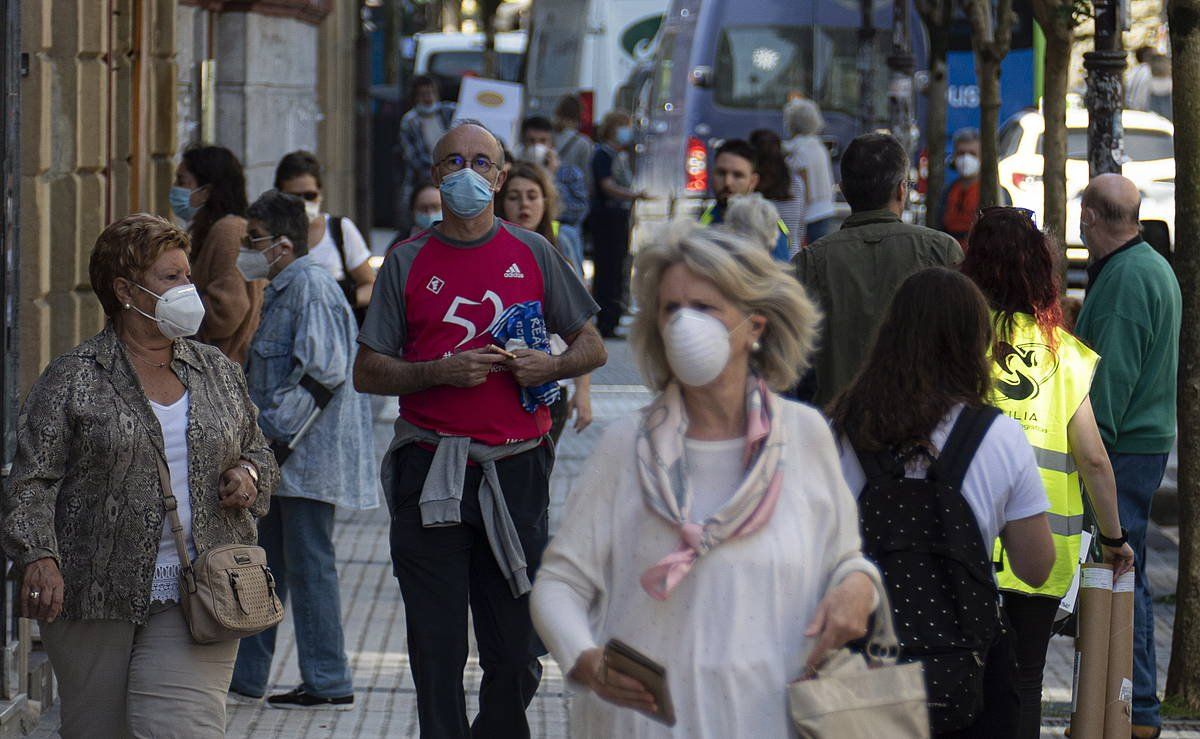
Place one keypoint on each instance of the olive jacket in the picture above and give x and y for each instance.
(84, 487)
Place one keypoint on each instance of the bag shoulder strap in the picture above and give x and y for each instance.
(339, 238)
(171, 506)
(956, 456)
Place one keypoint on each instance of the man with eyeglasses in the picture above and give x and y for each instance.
(854, 272)
(467, 474)
(297, 370)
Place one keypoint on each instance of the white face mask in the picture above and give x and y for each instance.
(254, 265)
(697, 346)
(178, 313)
(967, 165)
(312, 209)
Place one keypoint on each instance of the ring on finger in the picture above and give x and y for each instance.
(245, 496)
(35, 594)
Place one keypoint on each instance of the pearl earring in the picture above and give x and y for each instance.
(128, 306)
(756, 347)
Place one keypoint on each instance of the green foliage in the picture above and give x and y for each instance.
(1174, 707)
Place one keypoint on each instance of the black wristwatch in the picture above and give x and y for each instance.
(1120, 542)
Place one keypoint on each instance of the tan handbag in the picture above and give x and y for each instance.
(853, 696)
(228, 592)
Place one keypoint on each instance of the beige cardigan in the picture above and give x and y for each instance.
(231, 305)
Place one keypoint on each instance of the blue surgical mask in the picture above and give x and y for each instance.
(425, 220)
(624, 135)
(466, 193)
(180, 199)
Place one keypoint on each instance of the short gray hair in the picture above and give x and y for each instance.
(745, 274)
(282, 215)
(965, 135)
(802, 117)
(755, 217)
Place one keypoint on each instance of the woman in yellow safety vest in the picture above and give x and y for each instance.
(1043, 376)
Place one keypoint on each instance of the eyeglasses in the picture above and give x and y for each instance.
(455, 162)
(249, 242)
(1010, 209)
(310, 196)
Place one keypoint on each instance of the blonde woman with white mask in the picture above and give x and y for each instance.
(713, 532)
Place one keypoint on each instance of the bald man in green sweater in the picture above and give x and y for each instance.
(1131, 317)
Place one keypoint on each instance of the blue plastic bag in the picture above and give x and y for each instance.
(522, 326)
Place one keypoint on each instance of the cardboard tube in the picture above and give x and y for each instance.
(1091, 651)
(1118, 709)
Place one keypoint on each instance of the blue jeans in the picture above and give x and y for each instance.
(570, 242)
(297, 534)
(1138, 477)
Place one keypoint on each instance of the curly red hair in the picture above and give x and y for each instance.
(1015, 265)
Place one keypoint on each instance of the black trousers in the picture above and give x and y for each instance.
(610, 252)
(1032, 618)
(444, 570)
(998, 720)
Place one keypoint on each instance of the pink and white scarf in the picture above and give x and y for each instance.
(663, 474)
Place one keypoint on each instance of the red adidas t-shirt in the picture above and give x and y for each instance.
(435, 296)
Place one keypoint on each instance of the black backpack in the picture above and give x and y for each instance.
(936, 567)
(349, 288)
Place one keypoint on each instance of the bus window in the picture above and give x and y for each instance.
(835, 59)
(452, 65)
(757, 66)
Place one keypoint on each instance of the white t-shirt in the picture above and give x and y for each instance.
(808, 153)
(714, 470)
(325, 253)
(1002, 484)
(173, 419)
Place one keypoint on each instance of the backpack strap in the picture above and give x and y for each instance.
(956, 456)
(339, 239)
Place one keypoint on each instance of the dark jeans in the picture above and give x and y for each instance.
(998, 720)
(610, 249)
(1138, 477)
(297, 534)
(443, 570)
(1031, 617)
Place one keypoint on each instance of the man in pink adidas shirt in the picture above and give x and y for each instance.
(467, 474)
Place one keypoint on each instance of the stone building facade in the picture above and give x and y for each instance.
(114, 94)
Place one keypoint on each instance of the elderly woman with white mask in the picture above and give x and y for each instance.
(713, 532)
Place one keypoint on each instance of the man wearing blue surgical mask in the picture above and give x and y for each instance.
(428, 338)
(420, 128)
(297, 374)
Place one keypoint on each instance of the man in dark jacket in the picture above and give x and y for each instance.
(854, 272)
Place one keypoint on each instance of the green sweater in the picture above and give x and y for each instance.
(1131, 317)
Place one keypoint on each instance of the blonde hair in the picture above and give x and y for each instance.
(127, 248)
(747, 276)
(755, 217)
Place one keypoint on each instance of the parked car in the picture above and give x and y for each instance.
(1150, 163)
(449, 57)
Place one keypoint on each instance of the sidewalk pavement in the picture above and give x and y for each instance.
(373, 614)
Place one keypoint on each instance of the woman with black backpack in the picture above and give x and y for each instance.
(939, 475)
(334, 241)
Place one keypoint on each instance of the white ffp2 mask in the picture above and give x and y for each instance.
(697, 346)
(179, 311)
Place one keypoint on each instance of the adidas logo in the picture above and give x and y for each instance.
(515, 272)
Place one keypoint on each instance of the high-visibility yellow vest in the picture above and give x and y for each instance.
(1041, 388)
(554, 226)
(709, 214)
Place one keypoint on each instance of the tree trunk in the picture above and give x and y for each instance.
(487, 17)
(938, 24)
(990, 37)
(1183, 677)
(1054, 141)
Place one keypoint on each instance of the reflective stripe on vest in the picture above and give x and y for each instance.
(1041, 387)
(554, 226)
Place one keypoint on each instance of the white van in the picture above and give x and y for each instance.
(587, 47)
(449, 56)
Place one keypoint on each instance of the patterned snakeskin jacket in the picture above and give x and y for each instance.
(84, 487)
